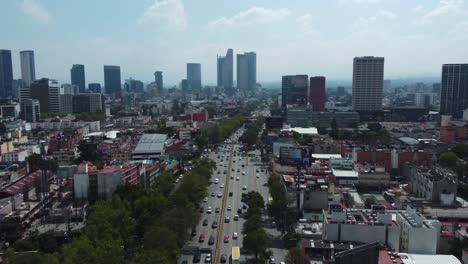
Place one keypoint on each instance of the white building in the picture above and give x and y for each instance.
(15, 156)
(94, 126)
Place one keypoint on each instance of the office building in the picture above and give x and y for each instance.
(87, 103)
(194, 76)
(66, 103)
(28, 68)
(47, 92)
(317, 95)
(31, 110)
(134, 86)
(454, 89)
(368, 76)
(246, 72)
(6, 73)
(70, 88)
(294, 90)
(112, 80)
(94, 87)
(226, 70)
(158, 79)
(77, 73)
(10, 109)
(184, 86)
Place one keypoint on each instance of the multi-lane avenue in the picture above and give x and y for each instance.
(234, 174)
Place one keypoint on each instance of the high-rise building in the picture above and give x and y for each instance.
(158, 79)
(47, 92)
(94, 87)
(28, 68)
(194, 76)
(77, 73)
(134, 86)
(317, 95)
(112, 80)
(31, 110)
(454, 89)
(246, 72)
(294, 90)
(368, 76)
(6, 73)
(70, 88)
(226, 70)
(184, 86)
(340, 91)
(87, 103)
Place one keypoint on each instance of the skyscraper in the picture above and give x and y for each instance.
(112, 80)
(31, 110)
(294, 90)
(225, 70)
(317, 95)
(47, 92)
(77, 73)
(454, 89)
(246, 72)
(194, 76)
(94, 87)
(158, 79)
(28, 68)
(368, 76)
(6, 73)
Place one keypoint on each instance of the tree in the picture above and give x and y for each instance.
(256, 242)
(295, 256)
(374, 127)
(461, 150)
(89, 152)
(3, 128)
(448, 159)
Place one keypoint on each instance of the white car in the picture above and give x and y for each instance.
(216, 180)
(229, 208)
(232, 177)
(209, 210)
(220, 194)
(234, 235)
(243, 173)
(205, 200)
(258, 175)
(221, 186)
(244, 187)
(237, 178)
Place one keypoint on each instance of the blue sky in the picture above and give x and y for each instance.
(315, 37)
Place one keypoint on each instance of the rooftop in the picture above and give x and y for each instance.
(150, 143)
(302, 130)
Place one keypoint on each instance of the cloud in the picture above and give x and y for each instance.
(444, 7)
(254, 15)
(369, 21)
(36, 11)
(169, 12)
(418, 9)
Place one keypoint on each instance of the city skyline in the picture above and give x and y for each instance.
(296, 31)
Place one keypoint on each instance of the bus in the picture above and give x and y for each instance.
(235, 257)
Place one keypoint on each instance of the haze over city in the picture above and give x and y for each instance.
(299, 36)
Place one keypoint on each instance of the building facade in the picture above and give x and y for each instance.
(194, 80)
(28, 68)
(158, 79)
(77, 73)
(454, 89)
(368, 77)
(112, 79)
(87, 103)
(47, 92)
(225, 70)
(94, 87)
(317, 95)
(6, 73)
(246, 72)
(31, 110)
(294, 90)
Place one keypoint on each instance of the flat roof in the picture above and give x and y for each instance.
(345, 173)
(428, 259)
(302, 130)
(326, 156)
(150, 143)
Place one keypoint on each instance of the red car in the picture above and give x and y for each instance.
(201, 239)
(202, 209)
(226, 238)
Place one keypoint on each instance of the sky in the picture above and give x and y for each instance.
(314, 37)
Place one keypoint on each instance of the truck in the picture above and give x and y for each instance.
(235, 257)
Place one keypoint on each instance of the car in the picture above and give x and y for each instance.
(244, 206)
(223, 258)
(227, 219)
(258, 175)
(229, 208)
(232, 177)
(257, 170)
(205, 222)
(214, 224)
(221, 186)
(176, 180)
(238, 170)
(217, 210)
(234, 235)
(239, 211)
(196, 258)
(216, 181)
(211, 240)
(230, 193)
(202, 209)
(213, 194)
(233, 170)
(208, 258)
(272, 260)
(244, 187)
(237, 178)
(220, 195)
(236, 217)
(243, 173)
(194, 232)
(243, 165)
(219, 172)
(233, 161)
(184, 262)
(201, 239)
(225, 165)
(262, 170)
(208, 210)
(226, 239)
(205, 200)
